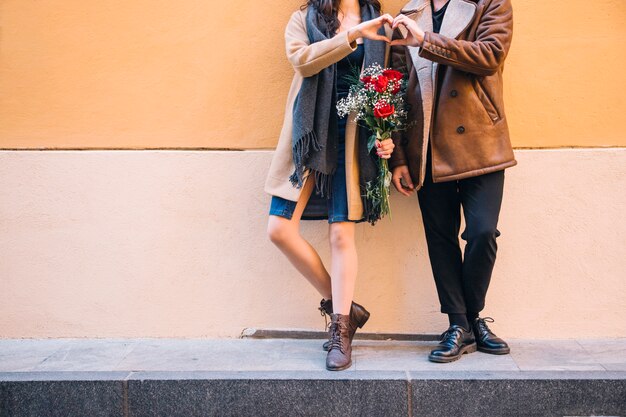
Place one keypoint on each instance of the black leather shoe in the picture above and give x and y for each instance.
(454, 343)
(486, 340)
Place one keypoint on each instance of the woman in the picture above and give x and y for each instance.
(320, 164)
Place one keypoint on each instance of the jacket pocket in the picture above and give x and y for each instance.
(486, 101)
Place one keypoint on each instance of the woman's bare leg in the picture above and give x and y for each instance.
(285, 234)
(344, 265)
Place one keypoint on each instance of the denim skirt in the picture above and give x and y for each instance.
(335, 207)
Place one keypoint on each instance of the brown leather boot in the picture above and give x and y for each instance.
(358, 317)
(339, 355)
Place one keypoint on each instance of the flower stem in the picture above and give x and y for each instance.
(384, 180)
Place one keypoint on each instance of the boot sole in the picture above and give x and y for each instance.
(439, 359)
(340, 369)
(505, 351)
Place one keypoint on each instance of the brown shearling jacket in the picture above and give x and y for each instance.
(467, 128)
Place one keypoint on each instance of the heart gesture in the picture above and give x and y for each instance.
(415, 34)
(369, 29)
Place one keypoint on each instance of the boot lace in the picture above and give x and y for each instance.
(323, 314)
(335, 338)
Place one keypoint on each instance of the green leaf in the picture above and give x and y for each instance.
(354, 76)
(371, 142)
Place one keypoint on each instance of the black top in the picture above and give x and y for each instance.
(346, 67)
(438, 16)
(437, 21)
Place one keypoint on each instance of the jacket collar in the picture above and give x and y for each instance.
(414, 6)
(459, 15)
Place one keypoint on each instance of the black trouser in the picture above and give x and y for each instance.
(462, 282)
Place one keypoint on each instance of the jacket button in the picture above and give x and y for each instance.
(454, 93)
(460, 130)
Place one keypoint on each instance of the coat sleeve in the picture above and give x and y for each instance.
(486, 54)
(309, 59)
(398, 62)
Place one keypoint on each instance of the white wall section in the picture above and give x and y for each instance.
(173, 244)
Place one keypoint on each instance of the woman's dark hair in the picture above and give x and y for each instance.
(328, 10)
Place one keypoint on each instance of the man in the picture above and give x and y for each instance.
(455, 151)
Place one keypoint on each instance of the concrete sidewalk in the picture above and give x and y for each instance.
(286, 377)
(105, 355)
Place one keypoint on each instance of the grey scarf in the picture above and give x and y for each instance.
(315, 139)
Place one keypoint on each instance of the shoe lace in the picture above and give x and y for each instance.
(335, 338)
(482, 324)
(449, 336)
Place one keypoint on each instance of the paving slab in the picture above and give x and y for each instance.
(25, 354)
(87, 355)
(202, 355)
(553, 355)
(610, 354)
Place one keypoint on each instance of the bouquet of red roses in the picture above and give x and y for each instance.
(377, 99)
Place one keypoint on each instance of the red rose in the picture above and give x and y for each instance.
(366, 80)
(380, 84)
(383, 109)
(396, 88)
(393, 74)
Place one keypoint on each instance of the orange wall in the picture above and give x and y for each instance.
(202, 73)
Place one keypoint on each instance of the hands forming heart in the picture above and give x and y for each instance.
(414, 35)
(370, 28)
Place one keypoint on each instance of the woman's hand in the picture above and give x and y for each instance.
(415, 34)
(384, 148)
(369, 29)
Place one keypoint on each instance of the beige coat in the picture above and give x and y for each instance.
(307, 60)
(467, 128)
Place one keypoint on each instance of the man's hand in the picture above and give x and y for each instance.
(415, 34)
(401, 173)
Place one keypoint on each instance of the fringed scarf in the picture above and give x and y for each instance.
(315, 139)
